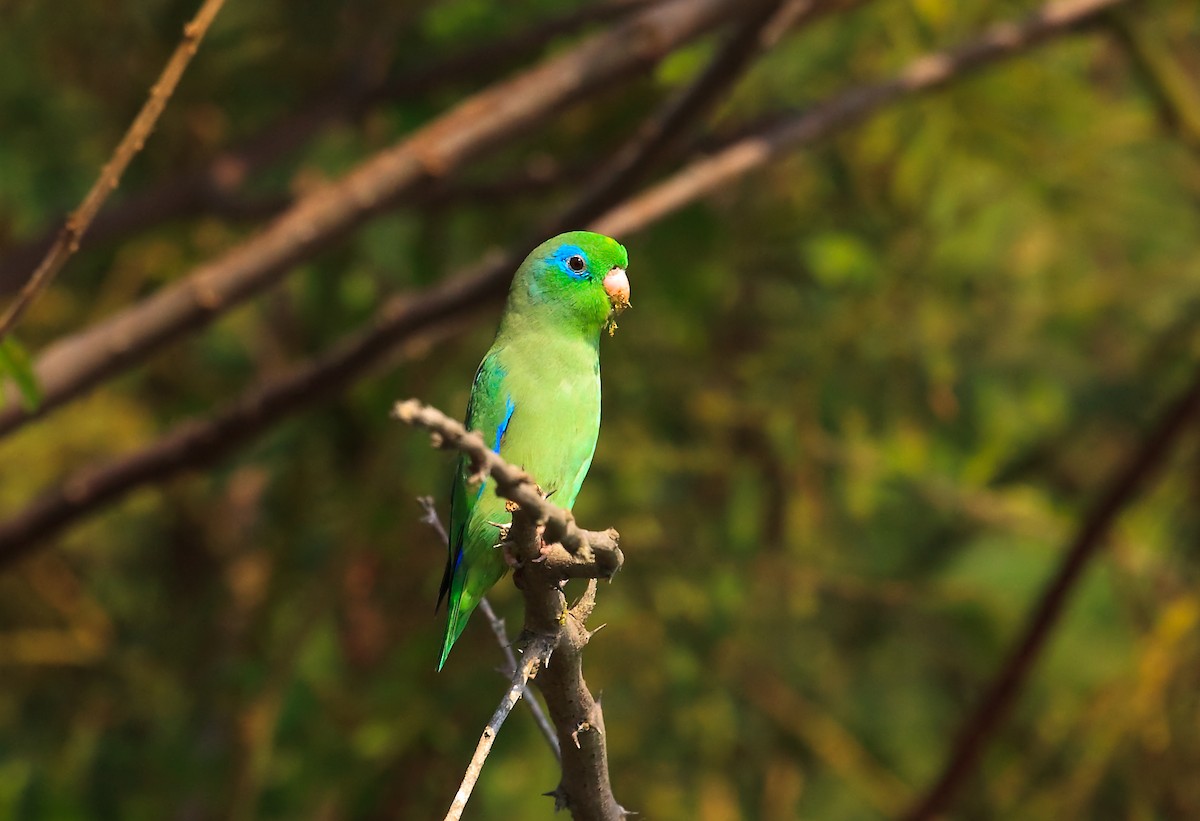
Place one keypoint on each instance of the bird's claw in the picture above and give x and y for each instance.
(509, 559)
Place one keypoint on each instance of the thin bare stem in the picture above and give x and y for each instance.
(535, 706)
(536, 655)
(77, 224)
(432, 519)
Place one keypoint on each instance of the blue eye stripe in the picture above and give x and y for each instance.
(563, 255)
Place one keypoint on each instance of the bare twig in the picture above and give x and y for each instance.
(1122, 490)
(432, 519)
(578, 719)
(403, 319)
(73, 231)
(482, 122)
(536, 654)
(535, 707)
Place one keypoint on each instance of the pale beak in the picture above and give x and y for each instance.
(616, 285)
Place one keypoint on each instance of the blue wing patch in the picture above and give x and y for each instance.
(502, 428)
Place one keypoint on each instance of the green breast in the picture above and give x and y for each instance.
(554, 386)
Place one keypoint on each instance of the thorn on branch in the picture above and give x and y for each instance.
(542, 532)
(499, 630)
(560, 798)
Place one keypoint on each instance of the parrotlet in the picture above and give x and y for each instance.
(535, 401)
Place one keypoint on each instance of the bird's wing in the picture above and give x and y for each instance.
(489, 411)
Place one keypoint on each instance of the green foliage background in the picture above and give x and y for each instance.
(855, 414)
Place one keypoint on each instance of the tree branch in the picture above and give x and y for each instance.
(215, 187)
(72, 233)
(537, 653)
(432, 519)
(480, 123)
(1123, 488)
(579, 556)
(403, 319)
(662, 130)
(542, 568)
(925, 74)
(1168, 83)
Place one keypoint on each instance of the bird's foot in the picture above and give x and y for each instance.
(509, 558)
(543, 551)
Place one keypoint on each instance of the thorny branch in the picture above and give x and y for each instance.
(571, 551)
(72, 233)
(432, 519)
(436, 311)
(537, 653)
(549, 548)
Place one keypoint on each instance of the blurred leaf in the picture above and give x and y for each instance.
(16, 365)
(838, 258)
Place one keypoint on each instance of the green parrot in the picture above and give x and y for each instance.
(536, 400)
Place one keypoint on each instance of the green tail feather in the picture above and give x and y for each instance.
(462, 604)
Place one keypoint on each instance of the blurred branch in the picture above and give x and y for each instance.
(1123, 488)
(663, 130)
(924, 74)
(476, 125)
(1177, 97)
(258, 719)
(432, 519)
(217, 186)
(830, 741)
(404, 318)
(549, 548)
(72, 233)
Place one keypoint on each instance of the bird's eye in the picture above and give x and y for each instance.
(577, 264)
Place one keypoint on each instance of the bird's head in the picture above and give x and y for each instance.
(575, 280)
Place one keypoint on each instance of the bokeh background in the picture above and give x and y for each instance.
(860, 406)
